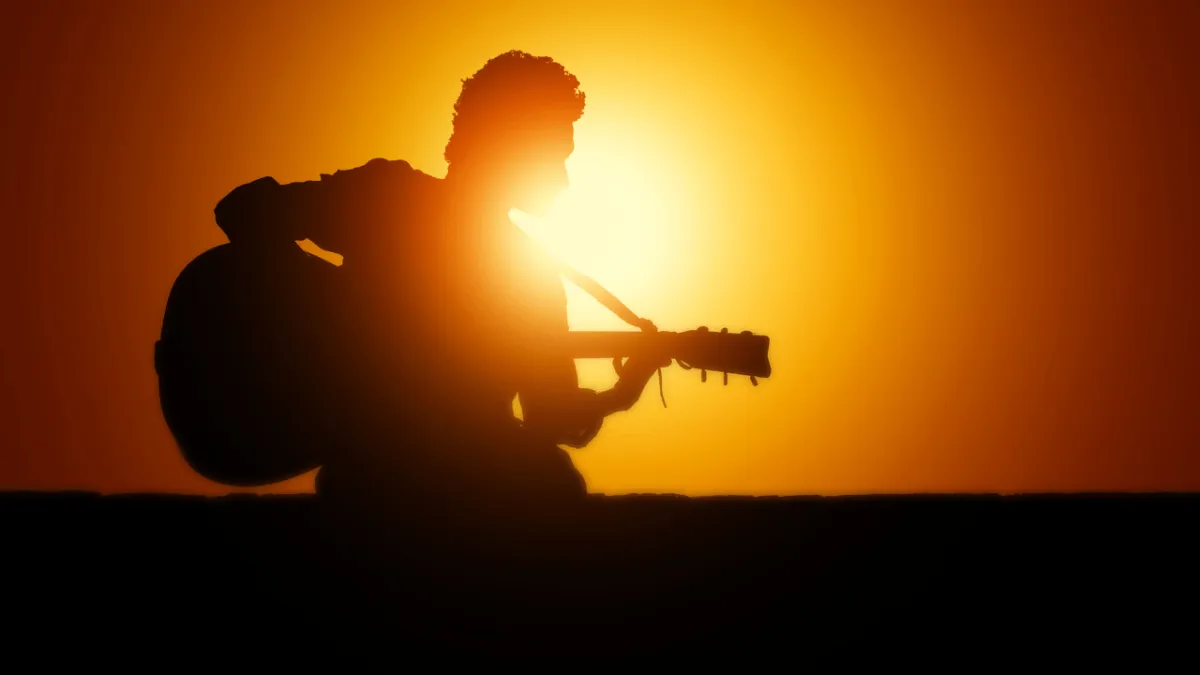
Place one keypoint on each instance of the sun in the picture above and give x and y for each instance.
(613, 223)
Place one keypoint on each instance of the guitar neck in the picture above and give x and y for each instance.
(736, 353)
(611, 344)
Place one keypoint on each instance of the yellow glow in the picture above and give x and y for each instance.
(615, 220)
(619, 222)
(965, 238)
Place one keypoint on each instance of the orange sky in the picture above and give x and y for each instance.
(969, 228)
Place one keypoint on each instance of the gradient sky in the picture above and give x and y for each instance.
(970, 229)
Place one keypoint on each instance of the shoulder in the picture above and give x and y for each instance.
(380, 190)
(393, 172)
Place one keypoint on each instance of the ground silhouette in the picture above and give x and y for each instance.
(965, 581)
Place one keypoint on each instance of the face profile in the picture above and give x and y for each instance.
(538, 169)
(513, 131)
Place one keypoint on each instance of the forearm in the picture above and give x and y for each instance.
(620, 398)
(264, 212)
(574, 416)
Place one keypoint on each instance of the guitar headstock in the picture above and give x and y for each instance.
(743, 353)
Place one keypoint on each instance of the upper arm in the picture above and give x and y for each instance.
(335, 212)
(352, 209)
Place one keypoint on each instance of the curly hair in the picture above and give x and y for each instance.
(513, 91)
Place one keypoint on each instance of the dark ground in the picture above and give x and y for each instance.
(959, 581)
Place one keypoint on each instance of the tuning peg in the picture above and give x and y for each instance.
(702, 329)
(726, 378)
(754, 380)
(703, 375)
(725, 330)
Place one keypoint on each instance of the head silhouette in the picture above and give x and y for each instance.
(514, 130)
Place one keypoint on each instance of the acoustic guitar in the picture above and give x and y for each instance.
(231, 390)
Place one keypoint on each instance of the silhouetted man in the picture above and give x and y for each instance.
(397, 369)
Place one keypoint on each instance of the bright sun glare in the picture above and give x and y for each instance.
(613, 223)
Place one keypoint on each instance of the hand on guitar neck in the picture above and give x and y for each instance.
(576, 423)
(738, 353)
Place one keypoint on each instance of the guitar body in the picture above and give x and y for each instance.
(238, 365)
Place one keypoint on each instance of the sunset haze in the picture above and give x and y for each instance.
(969, 229)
